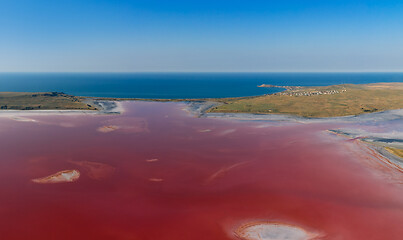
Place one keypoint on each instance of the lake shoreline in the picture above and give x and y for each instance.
(104, 108)
(303, 102)
(200, 109)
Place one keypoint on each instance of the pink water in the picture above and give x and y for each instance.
(164, 174)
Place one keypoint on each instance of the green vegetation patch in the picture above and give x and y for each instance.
(329, 101)
(41, 101)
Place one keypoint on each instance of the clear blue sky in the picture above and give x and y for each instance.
(201, 36)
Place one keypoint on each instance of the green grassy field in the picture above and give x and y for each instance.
(41, 101)
(350, 100)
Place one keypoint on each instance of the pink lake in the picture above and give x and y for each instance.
(157, 172)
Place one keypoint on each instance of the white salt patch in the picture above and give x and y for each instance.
(22, 119)
(273, 231)
(205, 130)
(59, 177)
(225, 132)
(106, 129)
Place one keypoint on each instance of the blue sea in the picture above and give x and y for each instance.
(177, 85)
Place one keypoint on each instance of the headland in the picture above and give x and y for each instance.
(306, 102)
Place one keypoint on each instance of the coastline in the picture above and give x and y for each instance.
(394, 159)
(205, 108)
(104, 107)
(294, 102)
(199, 109)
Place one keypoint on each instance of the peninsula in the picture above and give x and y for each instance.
(309, 102)
(319, 102)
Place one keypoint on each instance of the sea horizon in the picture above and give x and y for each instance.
(178, 85)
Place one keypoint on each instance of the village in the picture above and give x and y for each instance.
(310, 93)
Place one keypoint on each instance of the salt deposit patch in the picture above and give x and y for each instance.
(106, 129)
(155, 179)
(59, 177)
(152, 160)
(22, 119)
(221, 172)
(273, 231)
(125, 124)
(205, 130)
(226, 132)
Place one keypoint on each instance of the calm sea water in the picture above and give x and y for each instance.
(177, 85)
